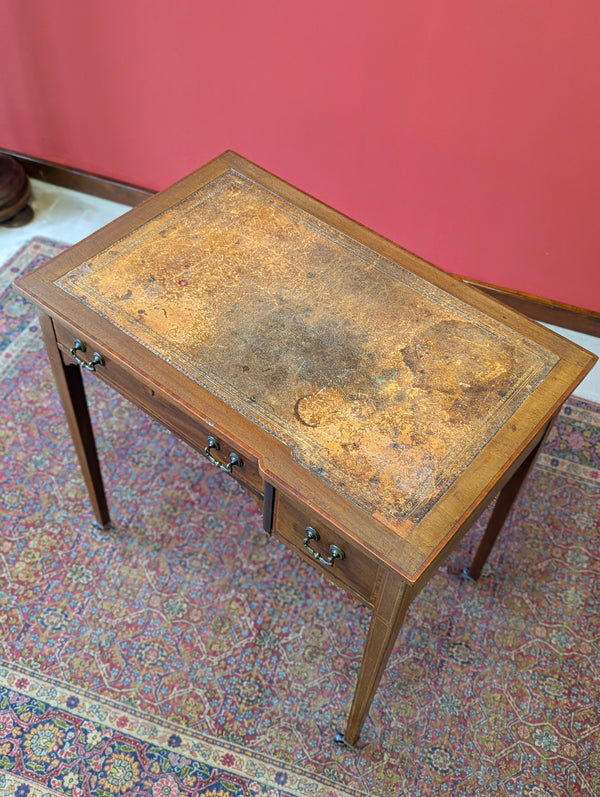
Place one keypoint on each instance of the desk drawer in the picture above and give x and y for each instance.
(221, 449)
(325, 546)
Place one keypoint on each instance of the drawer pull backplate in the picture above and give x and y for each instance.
(336, 551)
(97, 358)
(234, 459)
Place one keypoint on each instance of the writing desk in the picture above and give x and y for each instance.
(372, 404)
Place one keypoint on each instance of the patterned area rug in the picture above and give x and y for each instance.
(184, 653)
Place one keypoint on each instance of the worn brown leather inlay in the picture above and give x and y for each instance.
(382, 384)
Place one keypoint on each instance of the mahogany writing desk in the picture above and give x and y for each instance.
(372, 404)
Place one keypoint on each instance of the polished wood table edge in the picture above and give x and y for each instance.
(464, 519)
(512, 445)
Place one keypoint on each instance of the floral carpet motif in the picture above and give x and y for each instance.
(184, 653)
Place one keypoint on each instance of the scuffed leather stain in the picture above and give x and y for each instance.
(463, 361)
(379, 382)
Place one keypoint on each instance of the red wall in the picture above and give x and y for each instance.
(467, 131)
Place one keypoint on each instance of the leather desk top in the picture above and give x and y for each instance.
(380, 383)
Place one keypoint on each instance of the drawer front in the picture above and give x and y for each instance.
(222, 450)
(325, 546)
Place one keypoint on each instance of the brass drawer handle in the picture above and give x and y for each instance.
(336, 551)
(234, 459)
(97, 359)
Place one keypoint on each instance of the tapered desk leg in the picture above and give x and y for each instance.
(388, 615)
(72, 395)
(504, 503)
